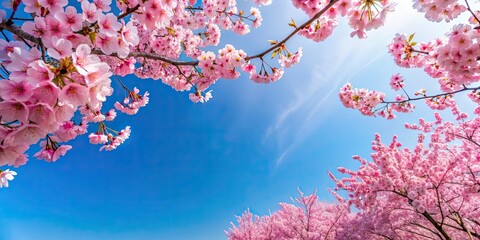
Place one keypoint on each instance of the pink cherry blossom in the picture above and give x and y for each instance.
(18, 91)
(53, 5)
(51, 151)
(5, 176)
(60, 48)
(70, 18)
(74, 94)
(13, 110)
(291, 59)
(25, 135)
(108, 24)
(396, 82)
(90, 11)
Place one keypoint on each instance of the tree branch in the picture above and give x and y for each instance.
(128, 12)
(470, 10)
(433, 96)
(260, 55)
(19, 32)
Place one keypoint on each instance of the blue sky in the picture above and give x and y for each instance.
(188, 169)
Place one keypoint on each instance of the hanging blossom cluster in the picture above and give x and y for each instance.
(362, 15)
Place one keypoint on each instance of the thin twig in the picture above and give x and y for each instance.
(433, 96)
(294, 32)
(470, 10)
(128, 12)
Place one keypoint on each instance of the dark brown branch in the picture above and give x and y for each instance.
(433, 96)
(150, 56)
(316, 16)
(418, 51)
(19, 32)
(427, 215)
(470, 10)
(436, 225)
(468, 139)
(416, 233)
(128, 12)
(22, 34)
(5, 36)
(426, 228)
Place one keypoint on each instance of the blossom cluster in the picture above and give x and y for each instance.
(361, 99)
(362, 16)
(308, 218)
(56, 72)
(437, 178)
(41, 97)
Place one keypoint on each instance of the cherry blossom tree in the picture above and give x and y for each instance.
(308, 219)
(428, 192)
(431, 191)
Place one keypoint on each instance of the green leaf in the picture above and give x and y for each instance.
(411, 37)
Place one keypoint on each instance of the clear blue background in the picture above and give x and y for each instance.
(188, 169)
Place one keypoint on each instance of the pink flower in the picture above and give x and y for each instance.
(25, 135)
(262, 2)
(37, 28)
(39, 72)
(130, 34)
(104, 5)
(133, 102)
(90, 12)
(10, 153)
(6, 176)
(53, 5)
(74, 94)
(96, 138)
(55, 28)
(32, 6)
(108, 44)
(66, 131)
(61, 151)
(110, 116)
(13, 110)
(291, 59)
(124, 134)
(396, 82)
(83, 61)
(42, 114)
(125, 66)
(108, 24)
(21, 160)
(64, 111)
(8, 47)
(59, 48)
(46, 92)
(51, 151)
(70, 18)
(19, 91)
